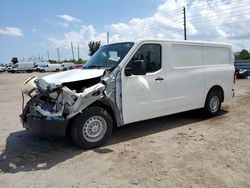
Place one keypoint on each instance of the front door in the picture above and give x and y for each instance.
(143, 96)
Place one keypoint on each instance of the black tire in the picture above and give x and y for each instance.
(81, 124)
(213, 103)
(57, 70)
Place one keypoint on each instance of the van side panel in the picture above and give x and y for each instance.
(185, 77)
(219, 68)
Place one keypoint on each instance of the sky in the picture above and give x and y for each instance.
(32, 28)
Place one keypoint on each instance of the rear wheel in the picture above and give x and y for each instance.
(92, 128)
(213, 103)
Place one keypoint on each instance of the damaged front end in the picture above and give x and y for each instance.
(52, 104)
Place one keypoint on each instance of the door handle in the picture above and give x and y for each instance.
(159, 79)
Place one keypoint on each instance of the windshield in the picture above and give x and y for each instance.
(109, 56)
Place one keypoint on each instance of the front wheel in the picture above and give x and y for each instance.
(213, 103)
(92, 128)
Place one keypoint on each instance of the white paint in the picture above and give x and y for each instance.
(188, 70)
(69, 76)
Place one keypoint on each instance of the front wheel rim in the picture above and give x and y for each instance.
(214, 104)
(94, 129)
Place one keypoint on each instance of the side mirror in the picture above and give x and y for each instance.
(128, 71)
(138, 68)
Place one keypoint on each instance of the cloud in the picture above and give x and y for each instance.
(34, 30)
(216, 21)
(64, 24)
(68, 18)
(82, 37)
(12, 31)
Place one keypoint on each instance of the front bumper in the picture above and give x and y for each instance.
(45, 127)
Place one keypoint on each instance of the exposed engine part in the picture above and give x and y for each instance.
(65, 100)
(29, 87)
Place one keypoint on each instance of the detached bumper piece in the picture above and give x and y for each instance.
(46, 127)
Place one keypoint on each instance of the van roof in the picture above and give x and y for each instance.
(177, 41)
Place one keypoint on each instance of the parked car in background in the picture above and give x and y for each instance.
(67, 66)
(8, 67)
(2, 69)
(241, 73)
(50, 68)
(41, 64)
(76, 66)
(22, 67)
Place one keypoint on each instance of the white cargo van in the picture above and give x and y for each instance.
(41, 64)
(67, 66)
(50, 67)
(129, 82)
(22, 67)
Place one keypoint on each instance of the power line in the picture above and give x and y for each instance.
(246, 7)
(218, 25)
(216, 4)
(220, 20)
(220, 15)
(227, 25)
(173, 23)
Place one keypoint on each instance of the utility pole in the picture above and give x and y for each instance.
(72, 51)
(185, 25)
(108, 37)
(58, 54)
(48, 55)
(78, 52)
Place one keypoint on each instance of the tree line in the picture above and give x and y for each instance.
(242, 55)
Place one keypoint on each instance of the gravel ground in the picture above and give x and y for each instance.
(182, 150)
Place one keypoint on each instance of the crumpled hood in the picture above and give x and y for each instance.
(57, 79)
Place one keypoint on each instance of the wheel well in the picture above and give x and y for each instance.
(107, 107)
(100, 104)
(218, 89)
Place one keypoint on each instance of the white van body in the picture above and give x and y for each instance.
(66, 66)
(2, 69)
(50, 67)
(147, 78)
(41, 64)
(189, 70)
(22, 67)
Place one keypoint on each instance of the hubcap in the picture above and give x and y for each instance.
(214, 104)
(94, 129)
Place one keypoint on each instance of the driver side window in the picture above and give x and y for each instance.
(151, 55)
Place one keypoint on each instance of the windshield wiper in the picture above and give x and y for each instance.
(112, 68)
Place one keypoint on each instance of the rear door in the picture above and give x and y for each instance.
(144, 96)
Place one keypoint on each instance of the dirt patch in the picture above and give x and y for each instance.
(182, 150)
